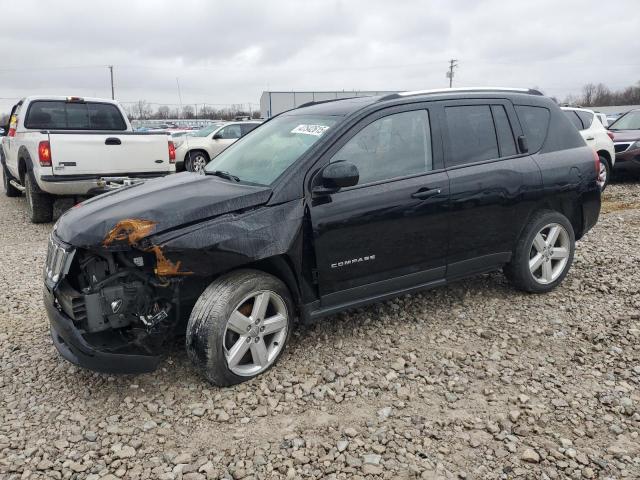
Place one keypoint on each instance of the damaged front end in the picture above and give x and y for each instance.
(112, 306)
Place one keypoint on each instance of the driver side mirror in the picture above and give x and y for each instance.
(217, 136)
(337, 175)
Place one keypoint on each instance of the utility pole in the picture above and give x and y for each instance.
(453, 63)
(113, 96)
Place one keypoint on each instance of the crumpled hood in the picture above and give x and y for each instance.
(168, 202)
(625, 135)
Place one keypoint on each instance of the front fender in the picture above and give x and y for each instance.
(233, 240)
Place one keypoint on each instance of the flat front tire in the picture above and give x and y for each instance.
(544, 253)
(239, 326)
(39, 203)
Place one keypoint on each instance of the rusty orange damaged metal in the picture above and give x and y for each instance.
(132, 230)
(164, 266)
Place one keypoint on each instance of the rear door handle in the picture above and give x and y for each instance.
(113, 141)
(590, 138)
(426, 193)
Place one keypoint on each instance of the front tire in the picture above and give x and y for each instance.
(196, 161)
(239, 326)
(544, 253)
(9, 190)
(39, 203)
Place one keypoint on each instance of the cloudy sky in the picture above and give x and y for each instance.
(229, 52)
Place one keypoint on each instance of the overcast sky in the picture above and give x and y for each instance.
(230, 51)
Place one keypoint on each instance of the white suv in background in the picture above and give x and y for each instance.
(196, 150)
(597, 137)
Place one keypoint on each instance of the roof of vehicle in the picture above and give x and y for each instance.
(343, 107)
(580, 109)
(31, 98)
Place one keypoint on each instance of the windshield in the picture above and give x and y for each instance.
(204, 132)
(265, 153)
(630, 121)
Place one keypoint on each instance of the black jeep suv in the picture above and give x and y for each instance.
(325, 207)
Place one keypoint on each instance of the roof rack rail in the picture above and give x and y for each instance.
(529, 91)
(308, 104)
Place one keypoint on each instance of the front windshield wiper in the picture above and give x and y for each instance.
(222, 174)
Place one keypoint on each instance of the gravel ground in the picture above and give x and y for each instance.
(474, 380)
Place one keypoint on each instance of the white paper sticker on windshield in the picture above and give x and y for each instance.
(316, 130)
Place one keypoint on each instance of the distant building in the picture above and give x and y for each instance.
(273, 103)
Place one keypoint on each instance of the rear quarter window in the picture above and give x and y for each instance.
(61, 115)
(535, 124)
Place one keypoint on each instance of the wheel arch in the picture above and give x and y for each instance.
(281, 267)
(195, 150)
(566, 207)
(605, 154)
(25, 164)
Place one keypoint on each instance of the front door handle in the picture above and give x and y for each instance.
(591, 138)
(113, 141)
(426, 193)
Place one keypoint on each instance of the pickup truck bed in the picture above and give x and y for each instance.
(70, 146)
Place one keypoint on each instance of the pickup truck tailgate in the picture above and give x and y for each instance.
(74, 153)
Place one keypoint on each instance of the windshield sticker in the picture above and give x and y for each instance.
(316, 130)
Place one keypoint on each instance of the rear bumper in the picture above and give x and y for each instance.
(70, 343)
(86, 185)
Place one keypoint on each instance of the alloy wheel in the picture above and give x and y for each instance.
(602, 175)
(198, 162)
(256, 333)
(549, 254)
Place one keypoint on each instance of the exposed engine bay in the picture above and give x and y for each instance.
(118, 301)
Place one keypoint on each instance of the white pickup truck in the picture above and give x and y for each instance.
(76, 147)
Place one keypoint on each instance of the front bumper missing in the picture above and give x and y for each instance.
(70, 343)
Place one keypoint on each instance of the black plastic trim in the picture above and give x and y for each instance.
(73, 347)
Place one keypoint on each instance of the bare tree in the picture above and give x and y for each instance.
(163, 112)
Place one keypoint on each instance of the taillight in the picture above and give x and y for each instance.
(172, 152)
(597, 165)
(13, 123)
(44, 153)
(610, 134)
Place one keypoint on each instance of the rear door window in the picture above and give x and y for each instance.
(230, 132)
(472, 136)
(61, 115)
(586, 118)
(571, 115)
(535, 124)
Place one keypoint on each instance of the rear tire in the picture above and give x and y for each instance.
(39, 203)
(196, 160)
(9, 190)
(543, 254)
(605, 173)
(239, 326)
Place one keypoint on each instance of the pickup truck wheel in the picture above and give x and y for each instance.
(39, 204)
(544, 253)
(239, 326)
(9, 190)
(196, 161)
(605, 173)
